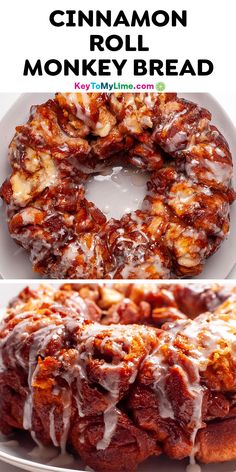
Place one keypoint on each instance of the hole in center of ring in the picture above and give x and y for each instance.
(117, 190)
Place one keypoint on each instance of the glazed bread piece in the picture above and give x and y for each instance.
(183, 219)
(117, 394)
(151, 304)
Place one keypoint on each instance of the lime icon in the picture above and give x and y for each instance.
(160, 86)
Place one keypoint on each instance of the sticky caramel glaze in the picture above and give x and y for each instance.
(118, 394)
(183, 219)
(151, 304)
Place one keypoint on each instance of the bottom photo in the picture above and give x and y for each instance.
(118, 377)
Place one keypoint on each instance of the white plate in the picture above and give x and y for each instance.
(20, 456)
(17, 450)
(15, 263)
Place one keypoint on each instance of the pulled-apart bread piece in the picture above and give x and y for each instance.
(118, 393)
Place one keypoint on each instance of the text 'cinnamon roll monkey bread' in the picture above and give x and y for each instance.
(76, 375)
(184, 216)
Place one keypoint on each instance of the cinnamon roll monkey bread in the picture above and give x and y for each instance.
(184, 216)
(120, 373)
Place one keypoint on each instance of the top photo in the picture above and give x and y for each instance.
(117, 186)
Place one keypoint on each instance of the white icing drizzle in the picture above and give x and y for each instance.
(66, 419)
(175, 142)
(220, 152)
(34, 437)
(110, 383)
(160, 371)
(219, 171)
(52, 430)
(150, 100)
(12, 346)
(40, 342)
(174, 117)
(82, 109)
(110, 423)
(165, 407)
(79, 399)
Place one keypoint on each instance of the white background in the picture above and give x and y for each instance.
(27, 33)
